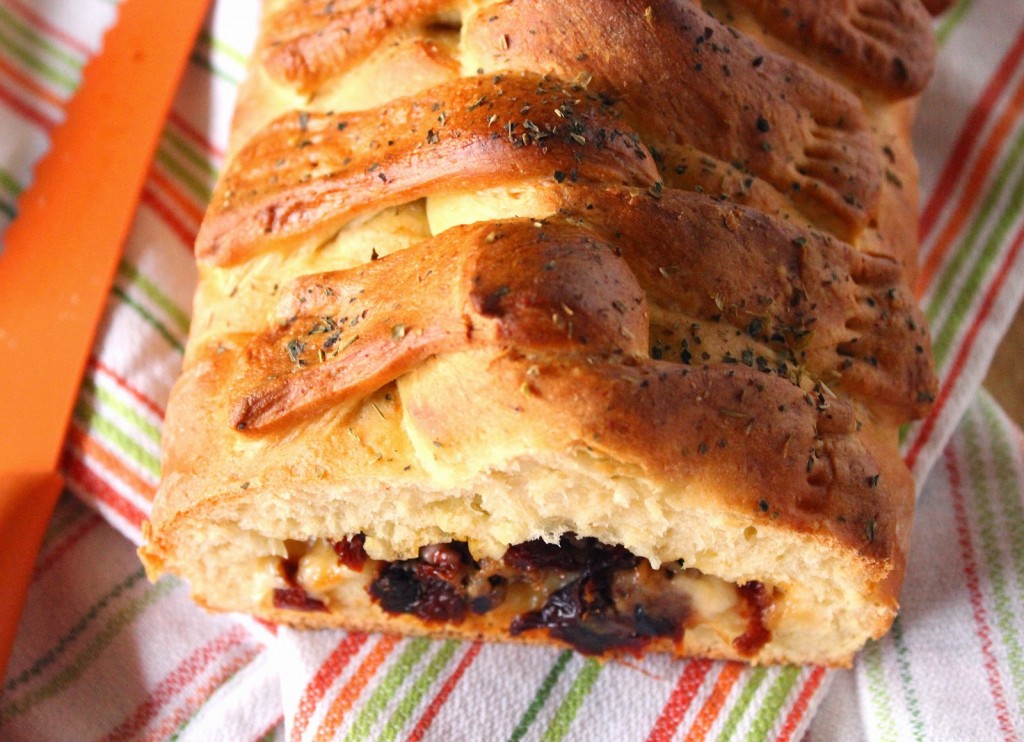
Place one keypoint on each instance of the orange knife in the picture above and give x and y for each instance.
(58, 261)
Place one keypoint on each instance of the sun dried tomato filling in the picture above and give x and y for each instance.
(594, 597)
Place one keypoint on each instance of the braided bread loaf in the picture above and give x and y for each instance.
(584, 323)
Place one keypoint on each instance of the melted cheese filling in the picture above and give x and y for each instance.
(617, 608)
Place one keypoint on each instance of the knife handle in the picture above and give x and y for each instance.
(26, 503)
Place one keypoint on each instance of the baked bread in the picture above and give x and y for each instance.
(583, 323)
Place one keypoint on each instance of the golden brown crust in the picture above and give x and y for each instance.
(492, 284)
(843, 315)
(309, 43)
(635, 274)
(309, 172)
(698, 83)
(718, 422)
(804, 300)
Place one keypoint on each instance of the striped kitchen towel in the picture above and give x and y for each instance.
(952, 668)
(970, 142)
(103, 654)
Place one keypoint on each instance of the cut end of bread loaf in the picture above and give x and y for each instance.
(586, 324)
(712, 583)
